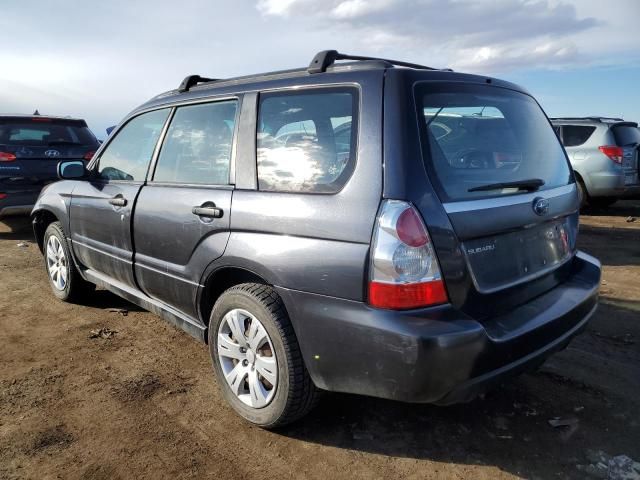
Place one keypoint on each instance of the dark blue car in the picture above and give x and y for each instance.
(30, 149)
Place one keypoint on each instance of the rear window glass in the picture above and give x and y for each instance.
(626, 135)
(306, 140)
(479, 136)
(45, 134)
(575, 135)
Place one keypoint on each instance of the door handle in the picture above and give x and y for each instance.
(118, 201)
(211, 212)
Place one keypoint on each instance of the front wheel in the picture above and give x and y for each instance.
(257, 359)
(66, 283)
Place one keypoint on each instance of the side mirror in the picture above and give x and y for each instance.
(72, 170)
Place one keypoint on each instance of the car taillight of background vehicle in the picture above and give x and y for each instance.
(404, 269)
(613, 152)
(3, 196)
(7, 157)
(89, 155)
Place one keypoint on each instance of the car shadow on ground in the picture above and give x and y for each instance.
(611, 245)
(622, 208)
(16, 228)
(509, 427)
(482, 432)
(104, 299)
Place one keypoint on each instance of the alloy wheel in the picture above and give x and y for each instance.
(56, 263)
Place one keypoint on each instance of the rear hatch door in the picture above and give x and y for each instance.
(627, 136)
(34, 146)
(507, 188)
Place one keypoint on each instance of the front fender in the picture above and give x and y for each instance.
(54, 201)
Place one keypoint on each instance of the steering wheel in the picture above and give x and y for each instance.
(472, 158)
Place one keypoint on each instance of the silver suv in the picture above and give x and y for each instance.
(604, 156)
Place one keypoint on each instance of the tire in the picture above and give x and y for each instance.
(602, 202)
(292, 394)
(64, 279)
(582, 193)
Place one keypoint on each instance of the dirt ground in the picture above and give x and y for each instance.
(143, 403)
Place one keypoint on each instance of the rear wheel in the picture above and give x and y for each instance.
(582, 193)
(66, 283)
(257, 359)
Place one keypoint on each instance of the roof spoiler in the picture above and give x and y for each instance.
(326, 58)
(593, 119)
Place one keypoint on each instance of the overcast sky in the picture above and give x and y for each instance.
(100, 59)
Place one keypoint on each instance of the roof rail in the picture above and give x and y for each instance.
(324, 59)
(192, 80)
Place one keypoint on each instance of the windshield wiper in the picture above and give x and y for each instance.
(64, 142)
(530, 185)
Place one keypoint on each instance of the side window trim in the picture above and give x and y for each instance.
(94, 165)
(356, 93)
(234, 141)
(245, 168)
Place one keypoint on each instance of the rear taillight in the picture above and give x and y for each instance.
(613, 152)
(3, 196)
(7, 157)
(404, 270)
(89, 155)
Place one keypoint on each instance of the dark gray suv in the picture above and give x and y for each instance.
(369, 226)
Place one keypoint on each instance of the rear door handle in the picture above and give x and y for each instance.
(211, 212)
(118, 201)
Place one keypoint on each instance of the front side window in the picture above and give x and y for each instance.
(306, 140)
(128, 155)
(484, 141)
(197, 148)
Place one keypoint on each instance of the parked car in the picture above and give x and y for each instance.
(604, 156)
(30, 149)
(412, 262)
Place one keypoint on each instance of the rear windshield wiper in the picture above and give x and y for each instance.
(64, 142)
(530, 185)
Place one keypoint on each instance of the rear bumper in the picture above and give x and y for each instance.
(18, 202)
(606, 184)
(436, 355)
(632, 191)
(15, 210)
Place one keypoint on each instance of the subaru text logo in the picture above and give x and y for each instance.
(540, 206)
(52, 153)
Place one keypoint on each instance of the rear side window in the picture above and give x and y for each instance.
(306, 140)
(477, 136)
(197, 148)
(44, 132)
(127, 156)
(576, 135)
(626, 135)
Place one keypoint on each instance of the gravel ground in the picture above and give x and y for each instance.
(87, 392)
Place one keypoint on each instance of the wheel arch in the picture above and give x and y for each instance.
(580, 178)
(41, 219)
(221, 279)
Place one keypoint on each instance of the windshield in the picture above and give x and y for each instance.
(483, 141)
(45, 133)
